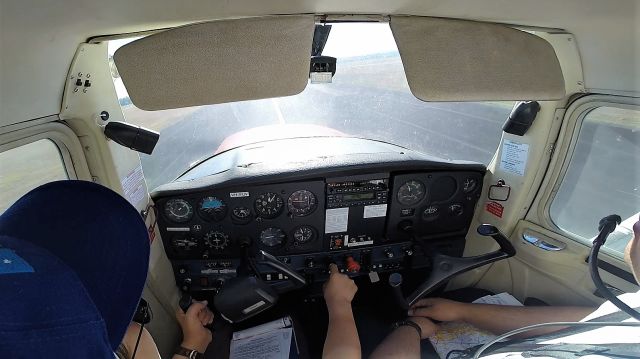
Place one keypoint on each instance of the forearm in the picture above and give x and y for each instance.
(403, 343)
(500, 319)
(342, 336)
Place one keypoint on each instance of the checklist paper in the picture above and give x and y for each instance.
(271, 340)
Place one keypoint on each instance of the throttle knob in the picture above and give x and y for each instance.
(352, 265)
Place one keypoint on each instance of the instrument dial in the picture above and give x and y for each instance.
(431, 213)
(269, 205)
(216, 240)
(304, 234)
(241, 215)
(178, 210)
(411, 192)
(272, 237)
(212, 209)
(302, 203)
(456, 209)
(184, 243)
(469, 185)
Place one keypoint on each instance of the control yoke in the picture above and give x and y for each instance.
(445, 267)
(295, 280)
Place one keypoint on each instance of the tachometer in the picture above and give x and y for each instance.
(411, 192)
(302, 203)
(304, 234)
(212, 209)
(178, 210)
(272, 237)
(269, 205)
(216, 240)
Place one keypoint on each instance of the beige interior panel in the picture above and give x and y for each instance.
(457, 60)
(217, 62)
(558, 277)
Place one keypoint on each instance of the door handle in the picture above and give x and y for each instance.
(535, 241)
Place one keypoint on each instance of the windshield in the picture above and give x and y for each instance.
(368, 98)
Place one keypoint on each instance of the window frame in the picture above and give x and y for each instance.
(566, 143)
(65, 140)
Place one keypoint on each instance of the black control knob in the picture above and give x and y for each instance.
(408, 252)
(244, 241)
(395, 281)
(182, 270)
(186, 284)
(406, 226)
(310, 262)
(389, 253)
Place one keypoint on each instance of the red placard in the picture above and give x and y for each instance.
(495, 208)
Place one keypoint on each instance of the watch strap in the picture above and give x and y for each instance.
(189, 353)
(408, 323)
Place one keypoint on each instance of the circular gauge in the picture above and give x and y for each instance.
(216, 240)
(272, 237)
(241, 215)
(212, 209)
(430, 213)
(184, 243)
(411, 192)
(302, 203)
(304, 234)
(469, 185)
(178, 210)
(269, 205)
(456, 209)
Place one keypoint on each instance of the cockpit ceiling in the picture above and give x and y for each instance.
(38, 39)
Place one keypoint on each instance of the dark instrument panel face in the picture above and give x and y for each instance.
(371, 219)
(431, 203)
(279, 218)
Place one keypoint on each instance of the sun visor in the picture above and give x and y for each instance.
(457, 60)
(218, 61)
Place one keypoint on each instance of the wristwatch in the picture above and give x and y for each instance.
(189, 353)
(408, 323)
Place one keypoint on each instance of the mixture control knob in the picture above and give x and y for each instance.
(310, 262)
(389, 253)
(352, 265)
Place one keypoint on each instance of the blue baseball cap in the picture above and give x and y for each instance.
(74, 257)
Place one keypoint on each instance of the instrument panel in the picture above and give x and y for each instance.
(363, 222)
(278, 218)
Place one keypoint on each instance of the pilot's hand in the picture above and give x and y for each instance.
(195, 335)
(426, 325)
(440, 309)
(339, 289)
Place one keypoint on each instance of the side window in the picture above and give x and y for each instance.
(26, 167)
(603, 177)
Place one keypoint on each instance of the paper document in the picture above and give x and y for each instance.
(461, 336)
(267, 341)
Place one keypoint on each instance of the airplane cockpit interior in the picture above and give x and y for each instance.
(463, 150)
